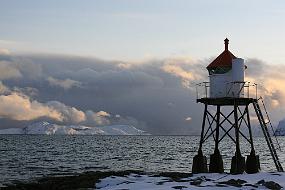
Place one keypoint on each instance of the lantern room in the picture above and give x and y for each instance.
(226, 75)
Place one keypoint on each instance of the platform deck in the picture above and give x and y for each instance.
(227, 101)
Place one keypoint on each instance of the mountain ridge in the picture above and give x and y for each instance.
(46, 128)
(280, 130)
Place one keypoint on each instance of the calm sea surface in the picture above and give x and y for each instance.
(23, 157)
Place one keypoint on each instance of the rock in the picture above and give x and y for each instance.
(261, 182)
(175, 176)
(234, 182)
(196, 182)
(179, 187)
(251, 185)
(270, 184)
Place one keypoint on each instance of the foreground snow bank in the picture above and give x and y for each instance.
(197, 181)
(51, 129)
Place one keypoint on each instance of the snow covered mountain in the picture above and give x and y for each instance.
(280, 130)
(53, 129)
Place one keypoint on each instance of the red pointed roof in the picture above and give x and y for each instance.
(224, 59)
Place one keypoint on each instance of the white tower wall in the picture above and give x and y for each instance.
(218, 84)
(237, 78)
(238, 70)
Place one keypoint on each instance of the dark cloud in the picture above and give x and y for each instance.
(157, 96)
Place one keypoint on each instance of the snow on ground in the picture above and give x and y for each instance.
(197, 181)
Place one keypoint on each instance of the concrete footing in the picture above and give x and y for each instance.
(238, 164)
(252, 163)
(216, 162)
(199, 163)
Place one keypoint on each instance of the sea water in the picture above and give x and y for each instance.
(24, 157)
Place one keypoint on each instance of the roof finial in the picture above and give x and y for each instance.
(226, 44)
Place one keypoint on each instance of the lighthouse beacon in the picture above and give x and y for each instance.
(226, 75)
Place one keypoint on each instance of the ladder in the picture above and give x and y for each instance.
(270, 124)
(266, 133)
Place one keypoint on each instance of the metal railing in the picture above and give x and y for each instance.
(232, 89)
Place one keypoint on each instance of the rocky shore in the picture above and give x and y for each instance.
(139, 180)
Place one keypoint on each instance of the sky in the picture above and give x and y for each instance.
(134, 62)
(144, 29)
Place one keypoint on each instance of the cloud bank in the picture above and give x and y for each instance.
(157, 96)
(19, 107)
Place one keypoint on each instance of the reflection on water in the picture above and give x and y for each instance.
(27, 156)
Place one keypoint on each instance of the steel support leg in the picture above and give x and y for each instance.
(216, 161)
(238, 161)
(252, 160)
(199, 164)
